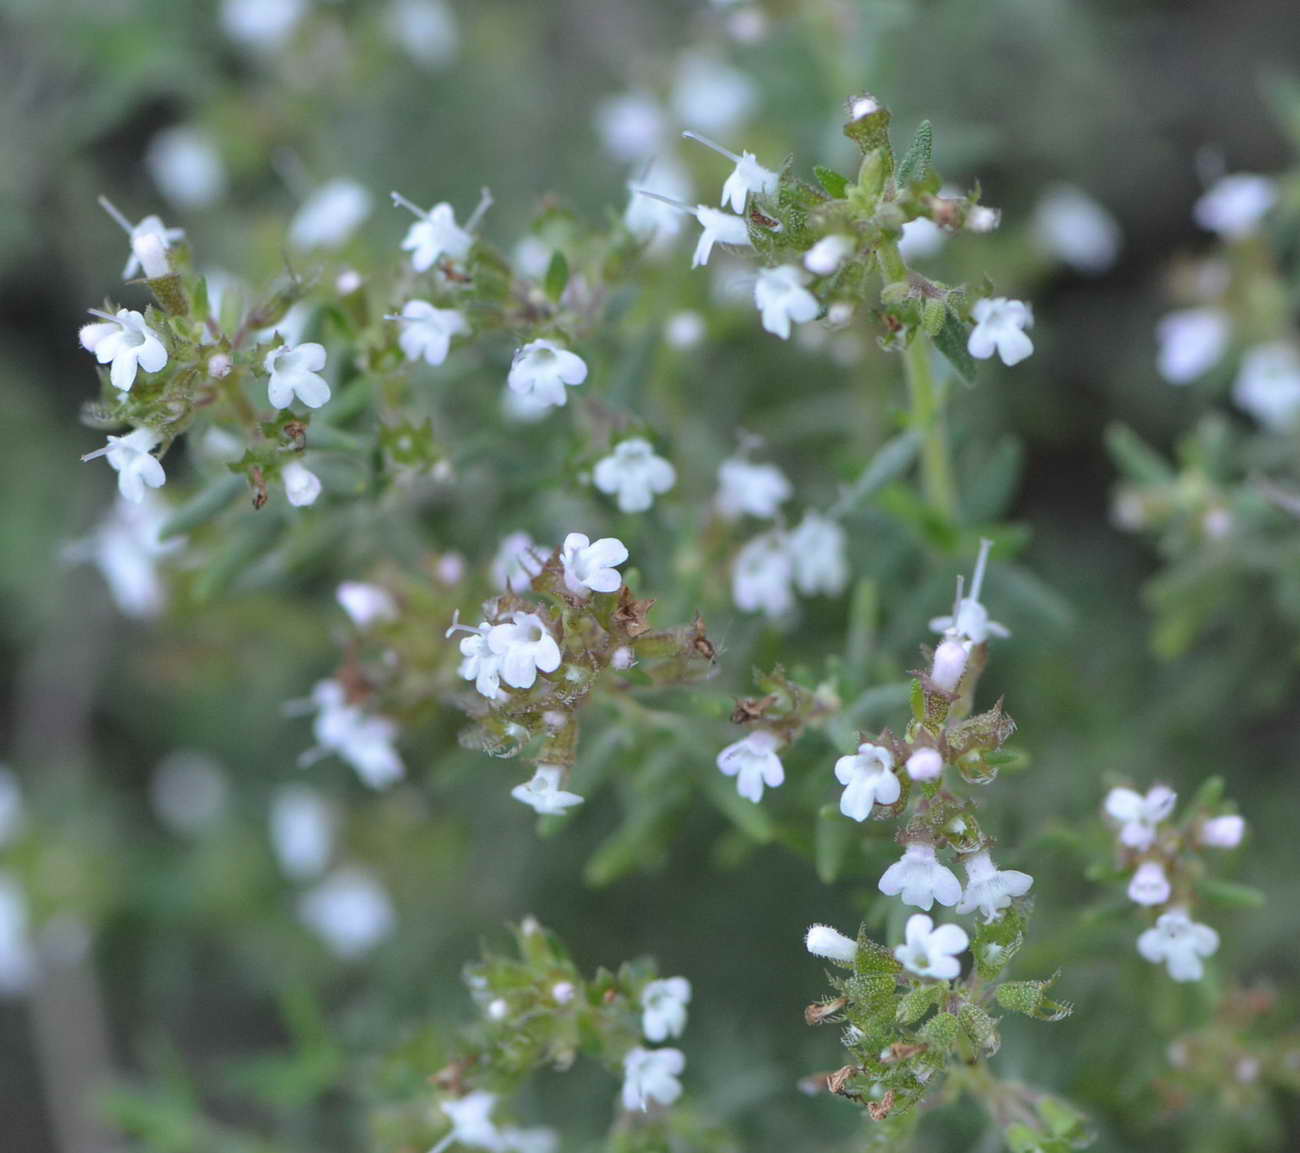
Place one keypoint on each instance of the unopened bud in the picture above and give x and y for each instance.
(1223, 832)
(498, 1010)
(823, 941)
(622, 657)
(949, 664)
(219, 366)
(925, 765)
(983, 219)
(563, 992)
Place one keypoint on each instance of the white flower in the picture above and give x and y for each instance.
(950, 661)
(1180, 943)
(981, 218)
(1268, 385)
(301, 485)
(1149, 885)
(525, 647)
(11, 806)
(366, 603)
(632, 127)
(823, 941)
(925, 764)
(563, 992)
(663, 1008)
(427, 331)
(542, 792)
(782, 298)
(541, 369)
(1221, 832)
(126, 549)
(825, 257)
(294, 371)
(263, 25)
(1000, 327)
(302, 830)
(921, 238)
(436, 234)
(762, 576)
(717, 227)
(350, 911)
(131, 457)
(651, 1075)
(188, 791)
(634, 474)
(754, 763)
(1073, 227)
(150, 226)
(17, 955)
(931, 952)
(127, 342)
(710, 94)
(817, 550)
(471, 1122)
(989, 888)
(1190, 343)
(186, 166)
(868, 780)
(363, 740)
(1139, 815)
(330, 215)
(920, 879)
(971, 621)
(748, 178)
(518, 560)
(481, 665)
(684, 330)
(745, 488)
(1235, 205)
(590, 567)
(426, 29)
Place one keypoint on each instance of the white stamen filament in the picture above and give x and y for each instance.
(718, 148)
(122, 222)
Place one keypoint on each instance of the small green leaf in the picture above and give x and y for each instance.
(1230, 893)
(557, 276)
(951, 341)
(832, 181)
(1134, 457)
(916, 161)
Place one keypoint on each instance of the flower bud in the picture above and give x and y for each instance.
(925, 765)
(219, 366)
(1223, 832)
(622, 657)
(949, 664)
(1149, 885)
(498, 1010)
(823, 941)
(563, 992)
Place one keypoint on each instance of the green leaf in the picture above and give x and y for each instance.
(951, 341)
(1230, 893)
(892, 459)
(557, 276)
(916, 160)
(208, 504)
(832, 181)
(832, 839)
(1134, 457)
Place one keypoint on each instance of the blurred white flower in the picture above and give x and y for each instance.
(1149, 885)
(1190, 342)
(748, 178)
(302, 830)
(186, 166)
(262, 25)
(1073, 227)
(542, 792)
(188, 791)
(426, 331)
(1000, 327)
(350, 911)
(17, 956)
(634, 474)
(471, 1122)
(127, 342)
(1234, 205)
(536, 1140)
(651, 1075)
(989, 888)
(131, 457)
(330, 215)
(782, 299)
(301, 485)
(525, 648)
(752, 760)
(711, 94)
(1217, 833)
(366, 604)
(1268, 385)
(930, 951)
(434, 234)
(517, 561)
(685, 330)
(290, 328)
(919, 879)
(825, 257)
(921, 238)
(426, 29)
(749, 489)
(762, 576)
(126, 548)
(363, 740)
(1180, 943)
(541, 369)
(1139, 815)
(823, 941)
(590, 566)
(868, 779)
(817, 551)
(632, 127)
(295, 371)
(12, 813)
(663, 1008)
(925, 764)
(950, 660)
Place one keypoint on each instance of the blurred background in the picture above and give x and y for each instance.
(168, 955)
